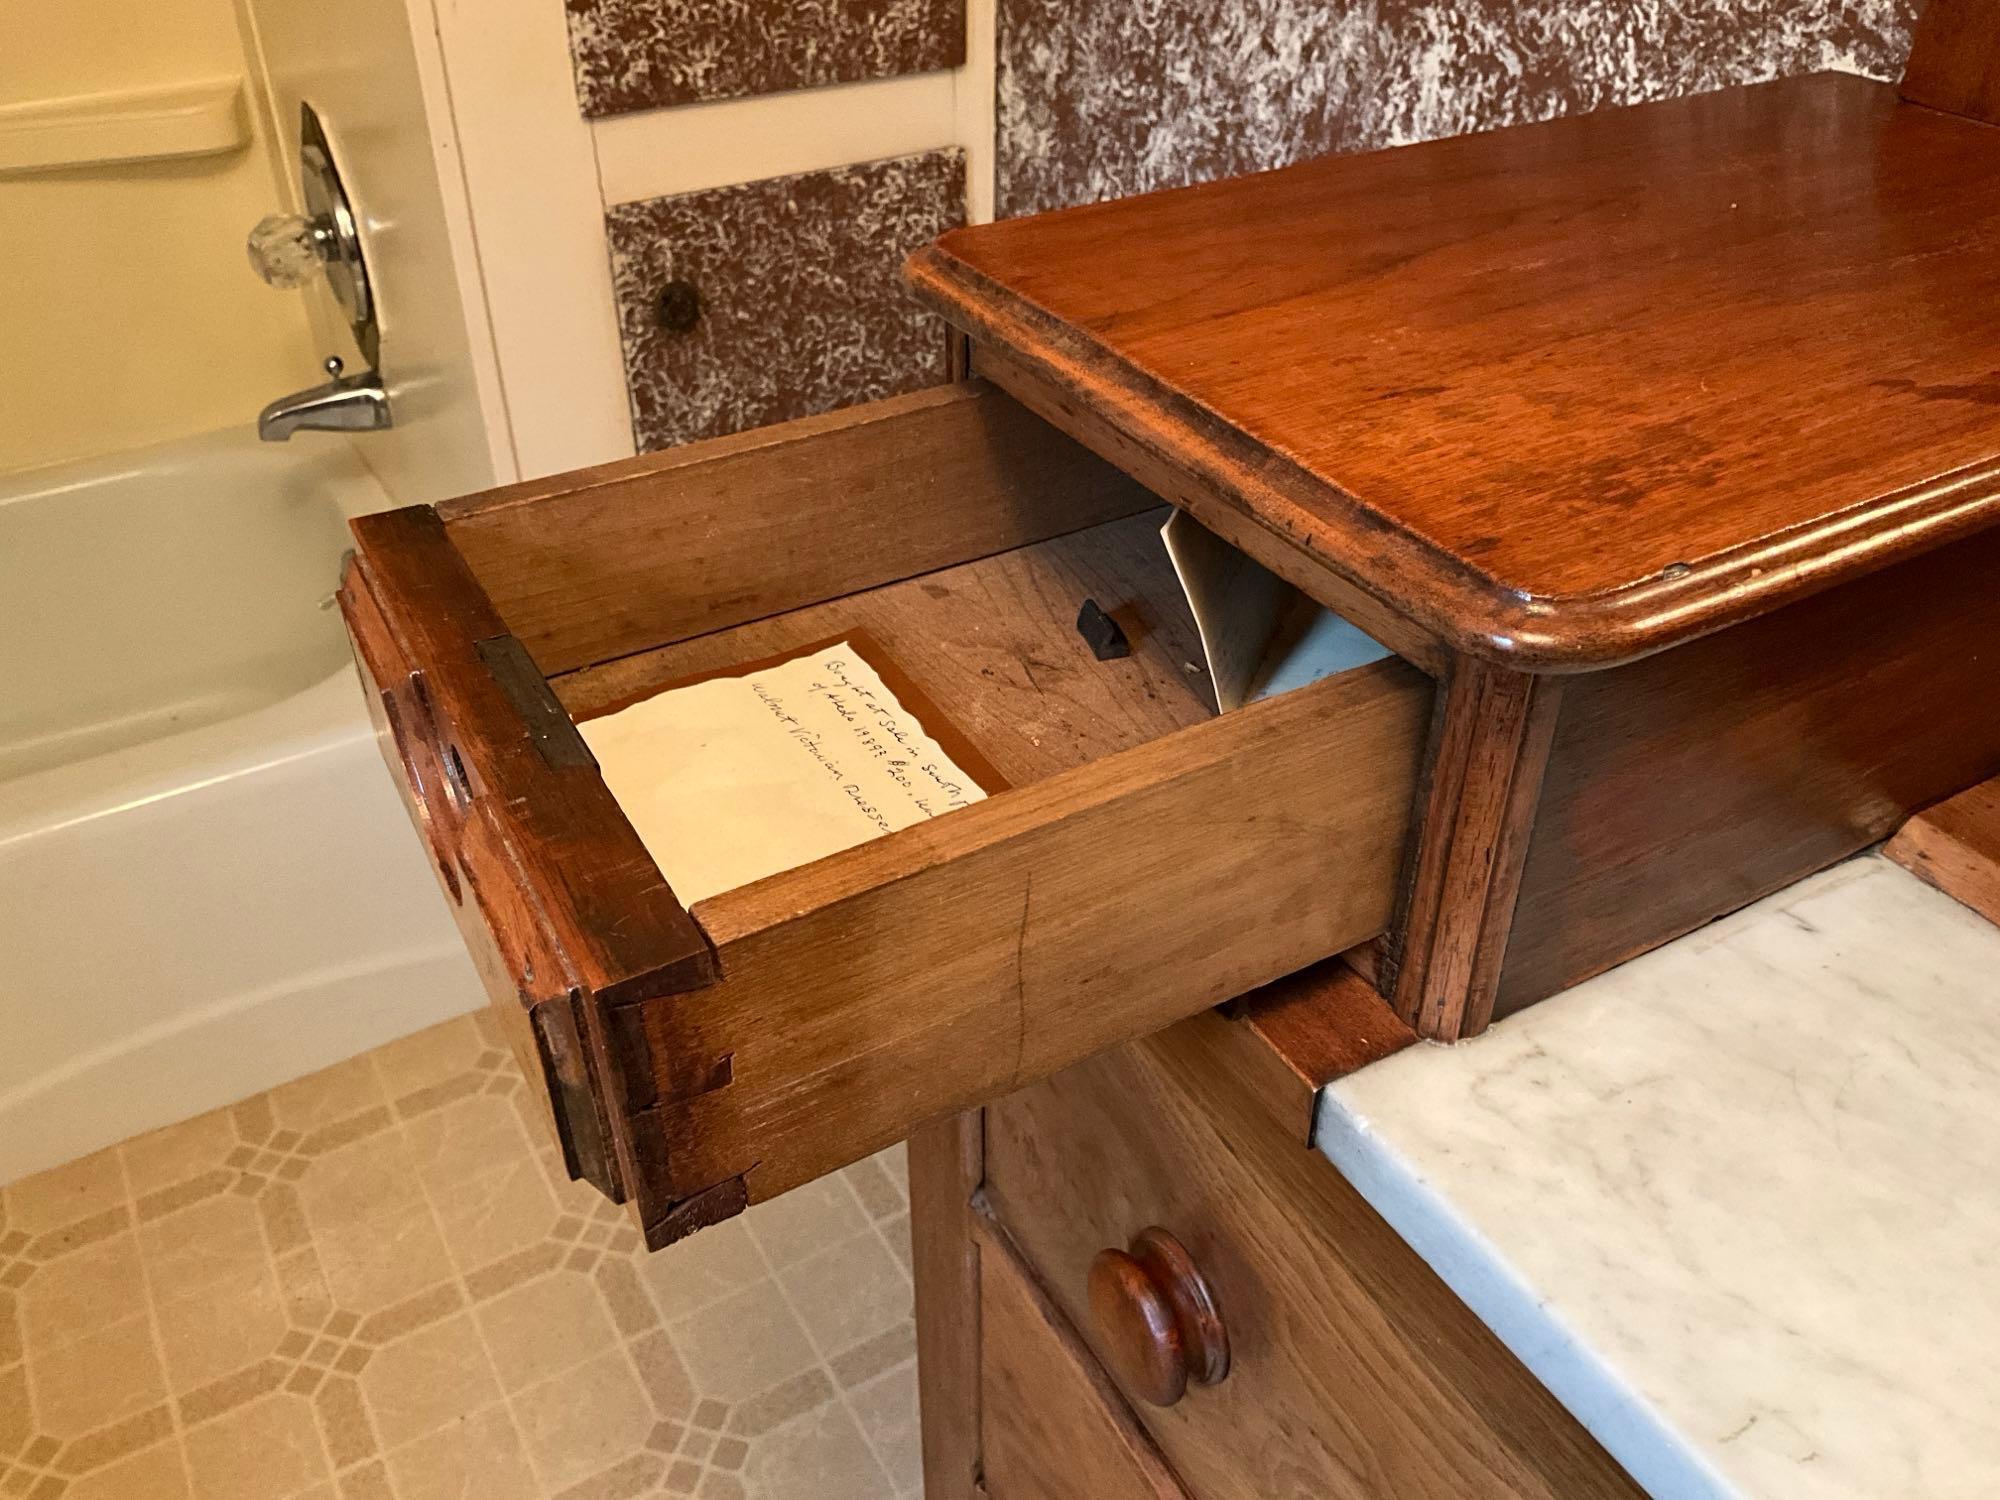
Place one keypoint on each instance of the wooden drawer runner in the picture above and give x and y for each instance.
(1353, 1371)
(1148, 860)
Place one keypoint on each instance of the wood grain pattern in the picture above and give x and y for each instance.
(1302, 1032)
(1145, 447)
(1354, 1372)
(993, 646)
(1489, 748)
(800, 306)
(1692, 783)
(1954, 60)
(1051, 1426)
(947, 1166)
(635, 554)
(1524, 386)
(951, 962)
(559, 903)
(1955, 846)
(1155, 1318)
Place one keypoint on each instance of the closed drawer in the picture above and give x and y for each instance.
(1351, 1370)
(1147, 860)
(1051, 1427)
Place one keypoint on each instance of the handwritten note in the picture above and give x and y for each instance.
(735, 778)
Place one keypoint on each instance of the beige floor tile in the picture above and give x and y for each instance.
(427, 1379)
(391, 1210)
(820, 1456)
(896, 1234)
(896, 1161)
(796, 1224)
(572, 1196)
(583, 1422)
(231, 1322)
(161, 1158)
(64, 1194)
(479, 1458)
(464, 1139)
(17, 1417)
(548, 1324)
(429, 1057)
(215, 1243)
(743, 1345)
(362, 1179)
(82, 1292)
(96, 1380)
(267, 1450)
(495, 1213)
(875, 1187)
(848, 1292)
(371, 1264)
(702, 1269)
(886, 1410)
(327, 1097)
(159, 1473)
(864, 1362)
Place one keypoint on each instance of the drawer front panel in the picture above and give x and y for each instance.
(1353, 1372)
(1052, 1427)
(1149, 860)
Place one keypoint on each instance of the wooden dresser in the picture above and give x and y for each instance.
(1662, 449)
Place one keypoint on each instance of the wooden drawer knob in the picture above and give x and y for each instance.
(1157, 1323)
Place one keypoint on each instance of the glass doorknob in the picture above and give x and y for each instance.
(287, 250)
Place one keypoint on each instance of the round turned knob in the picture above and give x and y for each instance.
(1157, 1323)
(287, 250)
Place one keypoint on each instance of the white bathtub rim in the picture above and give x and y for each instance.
(212, 1057)
(328, 714)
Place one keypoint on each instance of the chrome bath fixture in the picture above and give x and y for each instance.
(288, 250)
(346, 403)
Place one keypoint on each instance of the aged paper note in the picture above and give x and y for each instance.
(731, 779)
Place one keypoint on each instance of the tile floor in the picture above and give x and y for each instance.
(376, 1282)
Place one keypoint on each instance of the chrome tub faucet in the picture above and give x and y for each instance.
(346, 403)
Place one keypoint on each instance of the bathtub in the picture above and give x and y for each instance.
(207, 883)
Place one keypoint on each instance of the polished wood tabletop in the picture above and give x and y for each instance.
(1566, 393)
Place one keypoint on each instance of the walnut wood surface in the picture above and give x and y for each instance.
(559, 903)
(946, 964)
(947, 1164)
(1146, 447)
(1302, 1032)
(1052, 1427)
(1155, 1318)
(1694, 782)
(1955, 59)
(1563, 394)
(1955, 846)
(993, 645)
(1354, 1372)
(632, 555)
(1489, 748)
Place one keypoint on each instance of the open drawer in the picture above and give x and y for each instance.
(1147, 859)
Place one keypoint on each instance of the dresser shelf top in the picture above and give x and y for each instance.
(1563, 394)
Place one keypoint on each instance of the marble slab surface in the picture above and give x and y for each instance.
(1737, 1203)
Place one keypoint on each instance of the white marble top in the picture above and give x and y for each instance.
(1737, 1203)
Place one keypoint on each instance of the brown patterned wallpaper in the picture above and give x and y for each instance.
(1100, 99)
(645, 54)
(790, 290)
